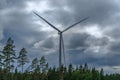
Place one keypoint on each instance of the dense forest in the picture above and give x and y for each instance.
(12, 68)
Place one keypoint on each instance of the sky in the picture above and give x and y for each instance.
(94, 41)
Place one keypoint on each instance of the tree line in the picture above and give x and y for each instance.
(39, 69)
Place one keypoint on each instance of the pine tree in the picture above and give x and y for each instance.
(1, 64)
(101, 74)
(9, 55)
(85, 67)
(22, 59)
(34, 63)
(44, 67)
(35, 67)
(70, 70)
(43, 64)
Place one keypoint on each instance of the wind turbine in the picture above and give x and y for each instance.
(61, 42)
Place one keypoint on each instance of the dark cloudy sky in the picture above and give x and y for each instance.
(95, 41)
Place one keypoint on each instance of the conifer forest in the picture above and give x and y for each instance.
(39, 69)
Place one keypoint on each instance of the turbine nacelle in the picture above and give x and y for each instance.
(60, 33)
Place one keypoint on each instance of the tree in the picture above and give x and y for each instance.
(43, 67)
(9, 55)
(43, 64)
(101, 74)
(85, 67)
(22, 59)
(1, 64)
(35, 65)
(70, 70)
(0, 61)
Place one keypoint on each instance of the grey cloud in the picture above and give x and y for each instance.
(110, 59)
(53, 59)
(114, 47)
(93, 41)
(114, 32)
(100, 12)
(20, 26)
(107, 60)
(1, 33)
(85, 40)
(16, 3)
(78, 40)
(49, 43)
(59, 16)
(2, 4)
(79, 57)
(57, 3)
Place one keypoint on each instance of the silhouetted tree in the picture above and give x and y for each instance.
(35, 67)
(9, 55)
(22, 59)
(1, 64)
(101, 74)
(43, 64)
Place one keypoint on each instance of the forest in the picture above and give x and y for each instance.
(12, 68)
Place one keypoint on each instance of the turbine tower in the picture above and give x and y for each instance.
(61, 42)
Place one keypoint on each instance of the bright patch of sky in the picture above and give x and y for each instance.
(40, 6)
(66, 8)
(94, 30)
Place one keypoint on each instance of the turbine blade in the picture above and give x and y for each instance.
(63, 50)
(75, 24)
(47, 22)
